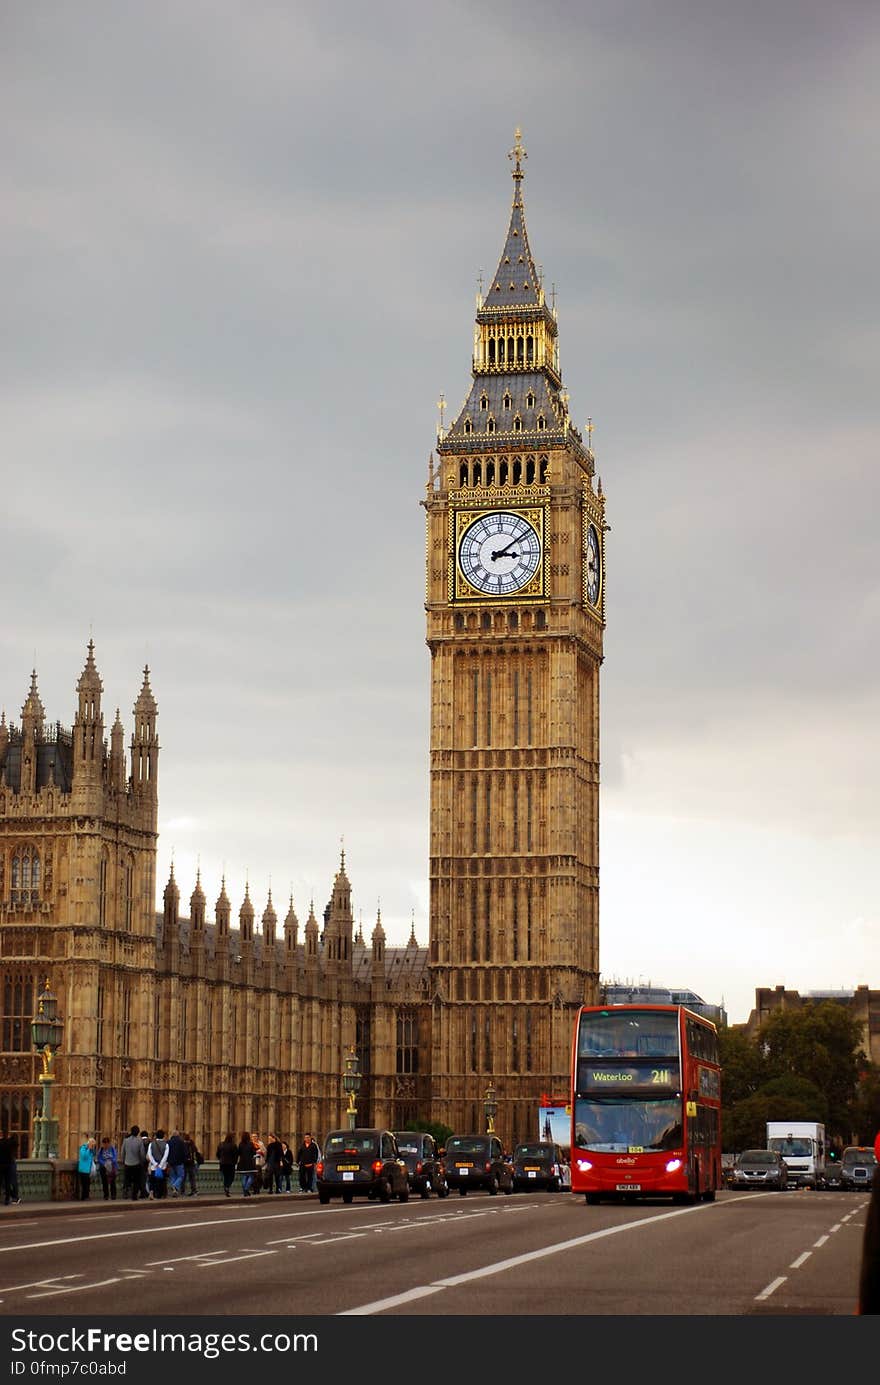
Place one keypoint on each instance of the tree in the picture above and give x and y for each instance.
(823, 1043)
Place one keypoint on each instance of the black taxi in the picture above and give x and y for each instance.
(477, 1161)
(361, 1163)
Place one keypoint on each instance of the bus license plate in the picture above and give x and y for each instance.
(629, 1187)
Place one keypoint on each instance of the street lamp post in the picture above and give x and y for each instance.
(46, 1031)
(351, 1081)
(490, 1109)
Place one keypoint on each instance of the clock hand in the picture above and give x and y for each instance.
(503, 552)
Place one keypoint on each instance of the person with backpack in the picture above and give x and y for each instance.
(157, 1163)
(227, 1158)
(108, 1167)
(192, 1160)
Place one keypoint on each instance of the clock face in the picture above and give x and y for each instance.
(593, 560)
(500, 552)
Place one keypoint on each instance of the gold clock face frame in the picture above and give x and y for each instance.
(498, 554)
(594, 576)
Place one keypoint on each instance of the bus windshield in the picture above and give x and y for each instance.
(629, 1033)
(615, 1127)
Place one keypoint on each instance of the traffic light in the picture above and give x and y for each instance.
(832, 1155)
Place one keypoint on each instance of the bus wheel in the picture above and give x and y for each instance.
(709, 1195)
(591, 1199)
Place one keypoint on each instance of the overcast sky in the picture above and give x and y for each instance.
(240, 248)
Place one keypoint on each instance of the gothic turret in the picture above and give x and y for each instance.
(311, 937)
(117, 755)
(197, 911)
(33, 720)
(145, 743)
(339, 925)
(270, 925)
(246, 918)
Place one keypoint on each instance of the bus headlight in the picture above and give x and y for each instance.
(673, 1165)
(584, 1165)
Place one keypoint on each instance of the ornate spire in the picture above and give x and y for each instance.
(516, 398)
(32, 714)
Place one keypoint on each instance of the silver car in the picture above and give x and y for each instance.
(759, 1168)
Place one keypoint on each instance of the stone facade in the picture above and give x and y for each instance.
(172, 1019)
(862, 1003)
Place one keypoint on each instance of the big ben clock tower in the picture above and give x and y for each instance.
(515, 617)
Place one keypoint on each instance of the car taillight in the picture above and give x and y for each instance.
(319, 1168)
(418, 1166)
(488, 1167)
(377, 1166)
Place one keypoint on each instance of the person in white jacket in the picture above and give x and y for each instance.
(157, 1163)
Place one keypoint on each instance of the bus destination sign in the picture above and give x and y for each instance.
(626, 1077)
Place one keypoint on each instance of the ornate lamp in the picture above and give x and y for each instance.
(490, 1109)
(47, 1029)
(351, 1081)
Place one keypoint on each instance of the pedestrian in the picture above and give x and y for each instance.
(247, 1163)
(176, 1163)
(9, 1167)
(133, 1164)
(146, 1188)
(193, 1160)
(85, 1167)
(227, 1157)
(307, 1158)
(869, 1271)
(157, 1160)
(260, 1160)
(108, 1166)
(286, 1164)
(273, 1164)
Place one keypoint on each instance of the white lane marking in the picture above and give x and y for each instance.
(832, 1229)
(821, 1241)
(344, 1236)
(294, 1236)
(771, 1288)
(77, 1289)
(500, 1266)
(153, 1230)
(38, 1283)
(802, 1259)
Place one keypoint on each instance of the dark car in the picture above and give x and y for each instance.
(477, 1161)
(362, 1163)
(832, 1181)
(540, 1165)
(760, 1168)
(857, 1167)
(424, 1167)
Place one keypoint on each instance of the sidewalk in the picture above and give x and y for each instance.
(29, 1207)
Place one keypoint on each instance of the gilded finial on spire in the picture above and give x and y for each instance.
(441, 406)
(516, 155)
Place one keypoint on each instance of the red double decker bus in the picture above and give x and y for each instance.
(645, 1104)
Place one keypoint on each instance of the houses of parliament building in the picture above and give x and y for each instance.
(210, 1019)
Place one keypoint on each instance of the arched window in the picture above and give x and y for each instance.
(407, 1042)
(530, 400)
(25, 876)
(519, 350)
(543, 470)
(502, 472)
(463, 474)
(541, 423)
(467, 425)
(490, 426)
(102, 888)
(506, 400)
(517, 471)
(484, 401)
(530, 470)
(491, 354)
(501, 351)
(490, 473)
(478, 474)
(517, 424)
